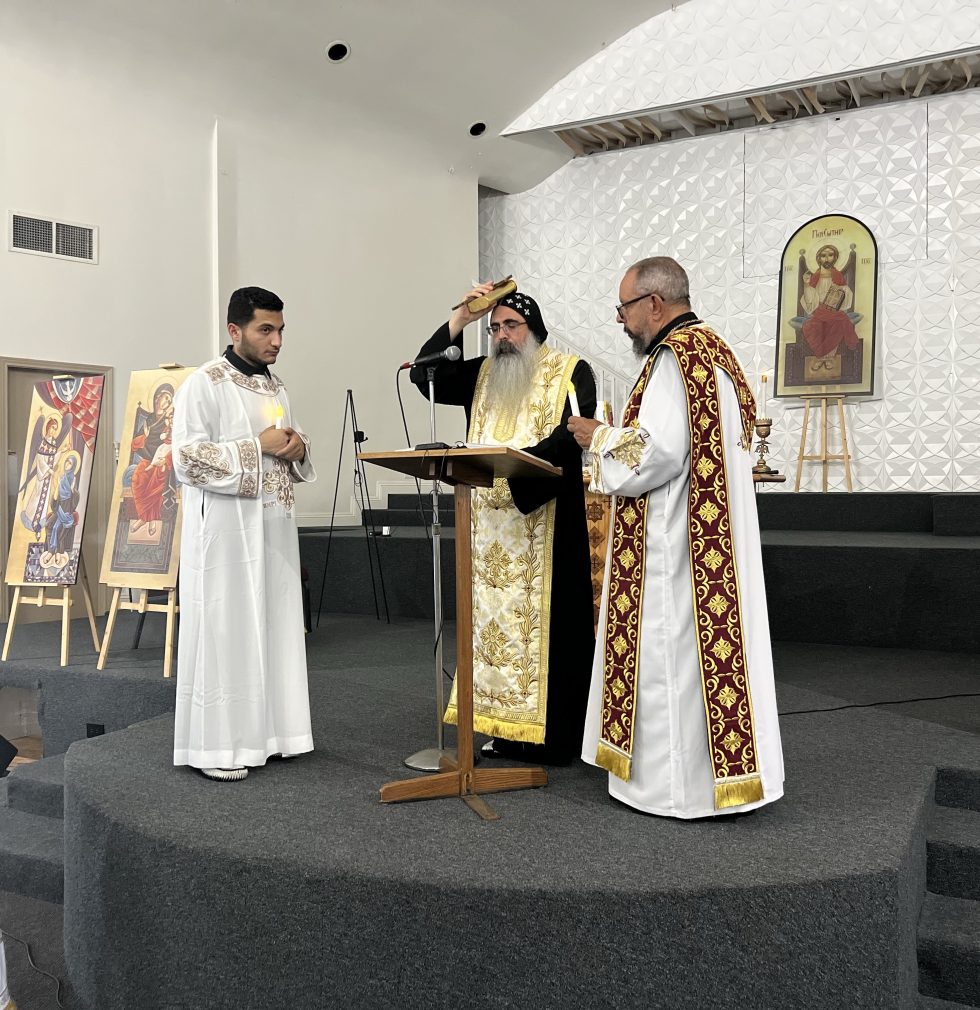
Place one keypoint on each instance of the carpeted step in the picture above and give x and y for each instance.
(869, 511)
(949, 949)
(953, 866)
(32, 855)
(958, 787)
(930, 1003)
(410, 516)
(916, 590)
(38, 787)
(956, 515)
(411, 501)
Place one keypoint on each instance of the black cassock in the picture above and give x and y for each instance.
(571, 636)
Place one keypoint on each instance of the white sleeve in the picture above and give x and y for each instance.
(634, 461)
(201, 459)
(303, 472)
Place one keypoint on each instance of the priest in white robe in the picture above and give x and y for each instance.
(682, 708)
(242, 694)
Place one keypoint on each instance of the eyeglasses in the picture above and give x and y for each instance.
(508, 326)
(632, 301)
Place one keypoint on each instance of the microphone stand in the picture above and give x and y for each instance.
(428, 760)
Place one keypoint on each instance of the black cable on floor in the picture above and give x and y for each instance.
(30, 961)
(878, 704)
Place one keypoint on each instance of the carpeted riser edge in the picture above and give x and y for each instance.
(956, 515)
(35, 878)
(950, 973)
(46, 799)
(405, 572)
(953, 870)
(73, 700)
(958, 787)
(772, 944)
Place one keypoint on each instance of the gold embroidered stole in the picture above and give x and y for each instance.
(621, 634)
(714, 578)
(512, 566)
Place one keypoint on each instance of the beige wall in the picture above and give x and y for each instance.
(196, 190)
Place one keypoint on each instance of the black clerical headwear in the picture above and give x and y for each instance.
(526, 307)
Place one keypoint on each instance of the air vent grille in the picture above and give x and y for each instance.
(60, 239)
(32, 234)
(73, 240)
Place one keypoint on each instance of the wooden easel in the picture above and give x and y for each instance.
(142, 606)
(824, 458)
(42, 600)
(466, 469)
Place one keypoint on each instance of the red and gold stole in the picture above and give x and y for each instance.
(714, 580)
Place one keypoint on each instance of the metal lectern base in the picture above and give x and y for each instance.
(428, 760)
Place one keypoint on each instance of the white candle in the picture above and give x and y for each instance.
(765, 389)
(279, 415)
(573, 400)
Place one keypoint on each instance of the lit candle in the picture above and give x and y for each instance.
(572, 399)
(765, 389)
(279, 415)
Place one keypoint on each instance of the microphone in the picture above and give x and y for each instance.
(451, 353)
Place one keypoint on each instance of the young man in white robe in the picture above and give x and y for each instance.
(682, 709)
(242, 694)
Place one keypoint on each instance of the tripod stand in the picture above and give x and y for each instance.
(364, 500)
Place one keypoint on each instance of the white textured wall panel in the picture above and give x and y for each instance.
(725, 207)
(706, 49)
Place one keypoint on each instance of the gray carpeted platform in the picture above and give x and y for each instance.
(77, 700)
(39, 924)
(297, 888)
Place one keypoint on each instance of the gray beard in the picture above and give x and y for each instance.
(640, 346)
(511, 374)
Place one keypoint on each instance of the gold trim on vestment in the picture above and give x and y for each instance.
(624, 596)
(735, 792)
(512, 566)
(714, 578)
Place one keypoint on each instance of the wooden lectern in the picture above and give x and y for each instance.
(464, 469)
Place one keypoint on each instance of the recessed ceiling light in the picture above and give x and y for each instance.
(338, 51)
(478, 129)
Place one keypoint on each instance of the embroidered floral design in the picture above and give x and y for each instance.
(709, 512)
(498, 496)
(628, 448)
(225, 371)
(496, 565)
(722, 649)
(717, 604)
(204, 463)
(732, 741)
(713, 560)
(493, 644)
(705, 467)
(727, 696)
(278, 484)
(627, 558)
(249, 458)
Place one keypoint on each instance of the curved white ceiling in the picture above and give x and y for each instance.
(420, 71)
(707, 49)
